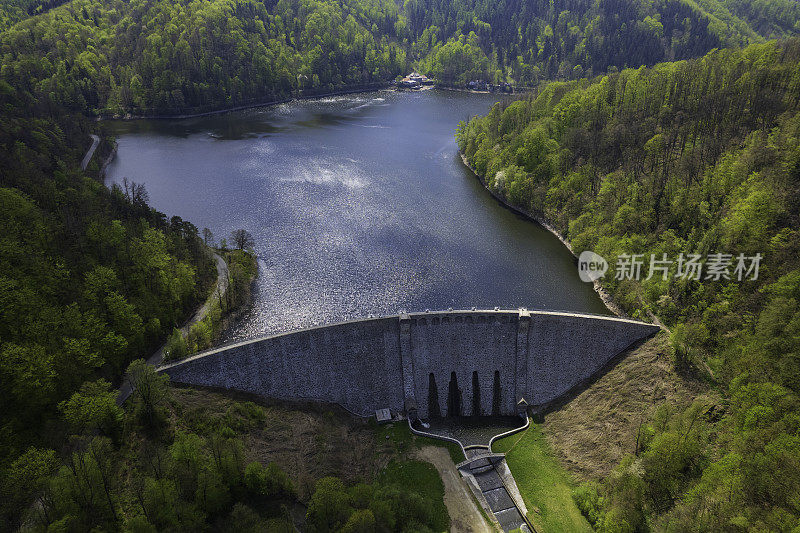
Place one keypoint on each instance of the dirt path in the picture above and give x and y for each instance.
(465, 517)
(220, 289)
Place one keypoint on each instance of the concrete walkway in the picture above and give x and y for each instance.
(90, 153)
(220, 290)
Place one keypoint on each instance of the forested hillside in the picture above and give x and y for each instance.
(91, 278)
(698, 155)
(169, 57)
(12, 11)
(532, 41)
(694, 157)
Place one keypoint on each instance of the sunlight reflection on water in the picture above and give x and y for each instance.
(358, 204)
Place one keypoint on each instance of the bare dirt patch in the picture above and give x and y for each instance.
(591, 433)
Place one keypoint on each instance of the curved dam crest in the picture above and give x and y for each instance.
(455, 362)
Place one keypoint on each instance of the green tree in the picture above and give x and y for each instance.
(94, 407)
(270, 482)
(329, 507)
(176, 347)
(361, 521)
(24, 481)
(150, 393)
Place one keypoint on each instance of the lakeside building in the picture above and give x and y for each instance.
(415, 80)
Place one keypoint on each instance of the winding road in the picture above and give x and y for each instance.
(221, 288)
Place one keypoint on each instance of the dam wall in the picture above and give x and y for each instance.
(443, 363)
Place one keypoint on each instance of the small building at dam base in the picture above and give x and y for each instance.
(451, 363)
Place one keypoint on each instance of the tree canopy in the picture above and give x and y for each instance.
(693, 157)
(686, 155)
(170, 57)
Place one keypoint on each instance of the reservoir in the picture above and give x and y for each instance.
(358, 205)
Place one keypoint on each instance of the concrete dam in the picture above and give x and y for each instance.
(435, 363)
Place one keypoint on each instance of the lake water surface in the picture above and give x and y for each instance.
(358, 205)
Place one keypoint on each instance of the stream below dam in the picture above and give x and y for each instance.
(358, 205)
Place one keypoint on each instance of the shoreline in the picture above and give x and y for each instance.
(263, 103)
(521, 90)
(234, 317)
(109, 158)
(384, 86)
(113, 154)
(605, 297)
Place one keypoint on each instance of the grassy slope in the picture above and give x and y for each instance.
(588, 436)
(402, 439)
(591, 433)
(545, 486)
(308, 442)
(422, 478)
(312, 441)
